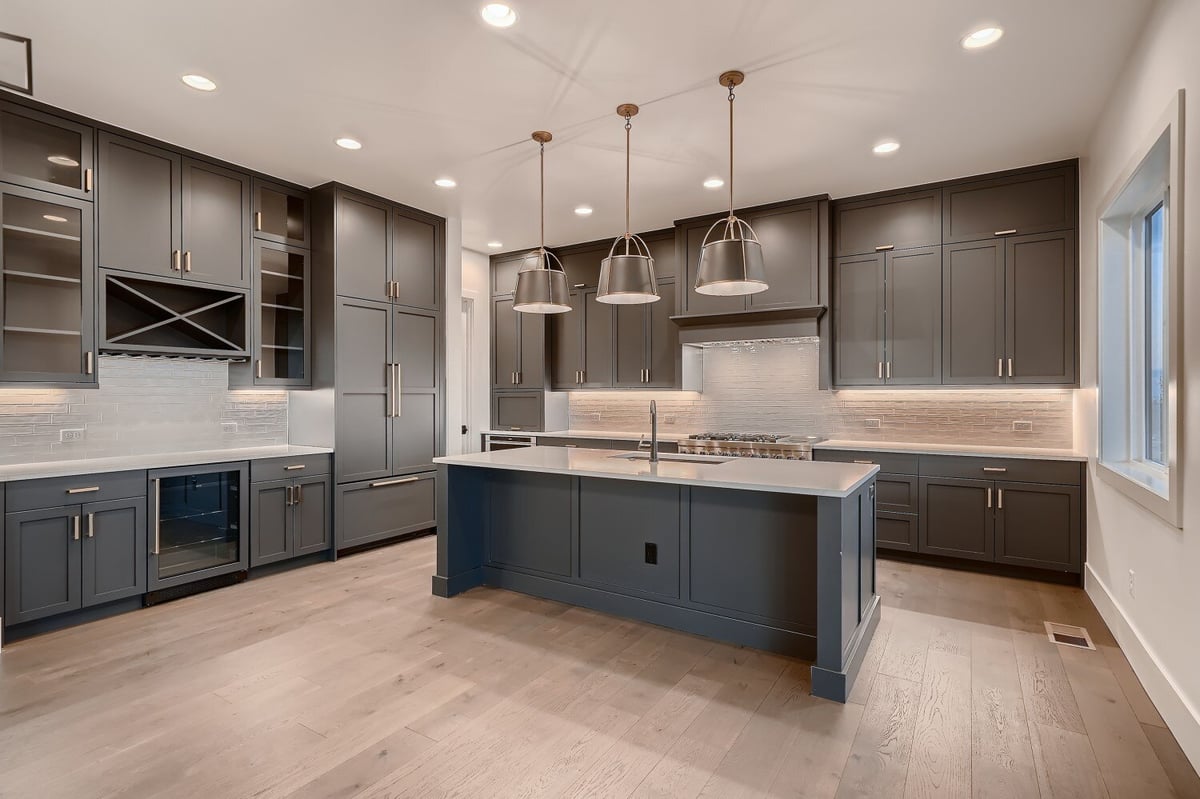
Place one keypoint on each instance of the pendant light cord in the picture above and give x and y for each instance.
(730, 150)
(542, 189)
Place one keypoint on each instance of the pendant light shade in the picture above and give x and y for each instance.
(627, 274)
(731, 259)
(542, 282)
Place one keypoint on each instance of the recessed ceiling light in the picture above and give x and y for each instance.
(53, 218)
(347, 143)
(62, 160)
(498, 15)
(714, 183)
(199, 83)
(445, 183)
(495, 245)
(982, 37)
(886, 147)
(583, 210)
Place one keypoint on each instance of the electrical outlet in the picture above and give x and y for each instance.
(1022, 427)
(872, 424)
(1131, 582)
(70, 435)
(228, 427)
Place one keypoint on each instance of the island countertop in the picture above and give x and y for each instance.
(818, 479)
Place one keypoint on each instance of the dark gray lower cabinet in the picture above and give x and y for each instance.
(1038, 525)
(289, 518)
(526, 522)
(380, 509)
(957, 518)
(71, 557)
(897, 530)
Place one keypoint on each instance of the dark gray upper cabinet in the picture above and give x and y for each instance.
(858, 305)
(566, 345)
(582, 264)
(114, 550)
(45, 152)
(1040, 301)
(517, 410)
(281, 214)
(663, 348)
(506, 343)
(47, 288)
(913, 305)
(1038, 525)
(138, 207)
(662, 250)
(363, 247)
(281, 329)
(504, 273)
(216, 224)
(629, 350)
(973, 313)
(1034, 201)
(416, 244)
(893, 222)
(791, 243)
(688, 238)
(363, 392)
(957, 517)
(415, 426)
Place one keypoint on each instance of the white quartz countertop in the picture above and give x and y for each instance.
(157, 460)
(955, 449)
(821, 479)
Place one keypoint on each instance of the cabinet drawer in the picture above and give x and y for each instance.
(1013, 469)
(382, 509)
(896, 531)
(267, 469)
(888, 462)
(581, 443)
(1032, 202)
(55, 491)
(896, 493)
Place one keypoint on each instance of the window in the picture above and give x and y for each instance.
(1140, 328)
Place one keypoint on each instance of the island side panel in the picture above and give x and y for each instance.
(462, 507)
(849, 604)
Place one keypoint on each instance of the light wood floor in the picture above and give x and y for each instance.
(350, 679)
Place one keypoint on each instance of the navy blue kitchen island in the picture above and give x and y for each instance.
(777, 555)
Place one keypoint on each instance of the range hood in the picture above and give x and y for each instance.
(764, 325)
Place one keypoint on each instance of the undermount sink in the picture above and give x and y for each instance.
(645, 456)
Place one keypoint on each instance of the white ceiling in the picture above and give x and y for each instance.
(430, 91)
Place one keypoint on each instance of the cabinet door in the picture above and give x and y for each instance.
(1041, 297)
(529, 521)
(281, 214)
(583, 265)
(791, 239)
(45, 152)
(629, 535)
(216, 224)
(1031, 202)
(415, 427)
(415, 255)
(506, 343)
(47, 295)
(898, 222)
(664, 355)
(690, 238)
(566, 345)
(858, 320)
(270, 522)
(382, 509)
(137, 207)
(1038, 525)
(598, 320)
(896, 531)
(114, 550)
(281, 303)
(914, 317)
(973, 313)
(311, 516)
(531, 362)
(362, 246)
(362, 390)
(504, 273)
(957, 517)
(517, 410)
(42, 562)
(630, 343)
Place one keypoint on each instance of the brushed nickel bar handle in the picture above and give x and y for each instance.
(399, 389)
(879, 370)
(76, 527)
(383, 483)
(258, 368)
(989, 497)
(648, 374)
(287, 496)
(999, 367)
(885, 247)
(866, 463)
(1005, 232)
(889, 370)
(995, 469)
(258, 220)
(91, 533)
(1010, 369)
(157, 514)
(175, 256)
(299, 498)
(187, 261)
(387, 380)
(89, 362)
(580, 285)
(294, 467)
(87, 490)
(87, 179)
(999, 499)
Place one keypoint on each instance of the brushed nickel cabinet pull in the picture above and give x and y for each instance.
(885, 247)
(399, 388)
(258, 220)
(889, 370)
(519, 373)
(866, 463)
(258, 368)
(401, 481)
(989, 497)
(87, 490)
(89, 364)
(1005, 232)
(999, 499)
(157, 515)
(287, 496)
(91, 533)
(1010, 369)
(299, 498)
(879, 370)
(995, 469)
(175, 256)
(999, 367)
(87, 179)
(580, 285)
(647, 374)
(389, 387)
(76, 527)
(187, 261)
(293, 467)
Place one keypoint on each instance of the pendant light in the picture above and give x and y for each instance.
(627, 274)
(542, 282)
(731, 259)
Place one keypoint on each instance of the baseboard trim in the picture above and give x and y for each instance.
(1182, 718)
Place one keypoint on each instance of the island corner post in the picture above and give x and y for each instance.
(784, 572)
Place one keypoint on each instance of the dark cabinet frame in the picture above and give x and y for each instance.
(87, 150)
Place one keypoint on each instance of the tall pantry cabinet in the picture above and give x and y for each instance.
(378, 364)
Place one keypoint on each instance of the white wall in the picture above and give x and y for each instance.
(467, 275)
(1156, 625)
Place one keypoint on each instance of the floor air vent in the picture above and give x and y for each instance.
(1069, 635)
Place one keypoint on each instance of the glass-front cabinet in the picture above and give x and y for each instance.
(45, 152)
(46, 288)
(280, 214)
(282, 325)
(198, 523)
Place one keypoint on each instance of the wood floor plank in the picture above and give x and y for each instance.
(870, 665)
(879, 757)
(1002, 765)
(1066, 765)
(940, 763)
(1044, 683)
(907, 647)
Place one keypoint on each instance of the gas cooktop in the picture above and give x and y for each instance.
(751, 445)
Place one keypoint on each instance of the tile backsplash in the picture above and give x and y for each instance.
(772, 387)
(143, 405)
